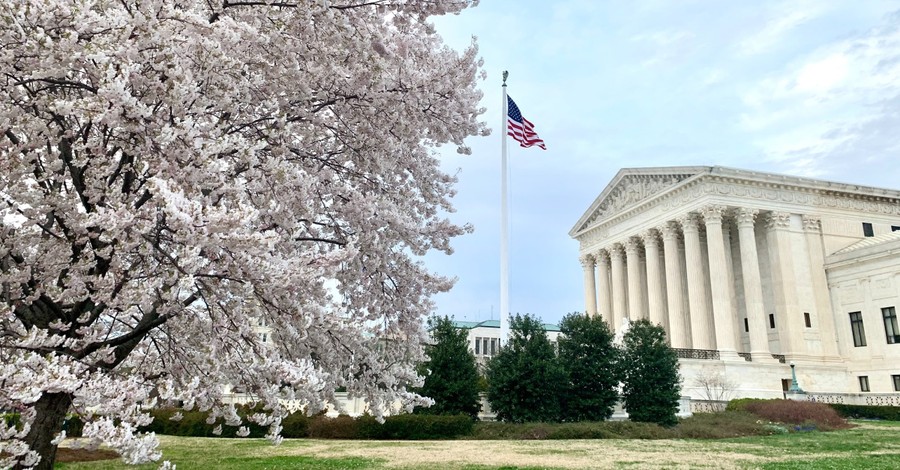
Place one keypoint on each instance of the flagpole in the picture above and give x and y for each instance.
(504, 227)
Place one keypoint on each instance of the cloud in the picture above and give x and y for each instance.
(781, 20)
(826, 104)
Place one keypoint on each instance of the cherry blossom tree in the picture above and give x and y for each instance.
(174, 172)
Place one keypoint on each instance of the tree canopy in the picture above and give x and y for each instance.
(651, 384)
(175, 172)
(450, 372)
(525, 379)
(590, 361)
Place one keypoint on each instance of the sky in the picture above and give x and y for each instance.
(804, 88)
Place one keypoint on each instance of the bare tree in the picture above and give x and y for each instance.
(714, 385)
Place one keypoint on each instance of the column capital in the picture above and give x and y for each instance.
(811, 223)
(601, 256)
(669, 230)
(632, 245)
(713, 214)
(778, 220)
(690, 222)
(745, 216)
(616, 251)
(587, 261)
(650, 237)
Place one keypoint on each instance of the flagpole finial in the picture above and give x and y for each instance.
(505, 74)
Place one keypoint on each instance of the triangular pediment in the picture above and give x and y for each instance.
(630, 187)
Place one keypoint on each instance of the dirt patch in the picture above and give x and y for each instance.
(66, 454)
(575, 454)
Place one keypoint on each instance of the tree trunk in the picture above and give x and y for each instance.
(51, 411)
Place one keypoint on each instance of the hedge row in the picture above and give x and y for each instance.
(72, 424)
(887, 413)
(700, 426)
(298, 425)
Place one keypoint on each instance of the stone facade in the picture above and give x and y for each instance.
(749, 271)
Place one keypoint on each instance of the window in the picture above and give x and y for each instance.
(486, 346)
(746, 325)
(863, 383)
(807, 319)
(867, 230)
(772, 320)
(856, 326)
(890, 325)
(894, 228)
(896, 380)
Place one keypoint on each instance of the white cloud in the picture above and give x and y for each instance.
(827, 102)
(823, 75)
(782, 19)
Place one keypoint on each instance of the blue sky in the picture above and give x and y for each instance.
(806, 88)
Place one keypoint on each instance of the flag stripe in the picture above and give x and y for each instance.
(521, 129)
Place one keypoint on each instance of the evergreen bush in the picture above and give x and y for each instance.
(651, 383)
(590, 361)
(451, 374)
(887, 413)
(525, 380)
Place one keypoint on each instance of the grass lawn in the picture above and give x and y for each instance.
(871, 445)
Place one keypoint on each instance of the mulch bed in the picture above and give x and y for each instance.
(65, 454)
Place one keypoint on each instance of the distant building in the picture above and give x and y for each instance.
(750, 271)
(484, 337)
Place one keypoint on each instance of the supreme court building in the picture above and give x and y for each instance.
(749, 272)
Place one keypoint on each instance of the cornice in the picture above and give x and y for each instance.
(761, 187)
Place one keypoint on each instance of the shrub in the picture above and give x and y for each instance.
(451, 374)
(417, 427)
(12, 419)
(798, 413)
(73, 426)
(589, 359)
(651, 383)
(722, 425)
(887, 413)
(340, 427)
(193, 424)
(740, 404)
(525, 380)
(399, 427)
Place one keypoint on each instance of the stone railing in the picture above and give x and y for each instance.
(870, 399)
(684, 353)
(708, 406)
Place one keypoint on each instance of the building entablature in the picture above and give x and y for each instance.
(646, 193)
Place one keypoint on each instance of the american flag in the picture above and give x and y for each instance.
(520, 128)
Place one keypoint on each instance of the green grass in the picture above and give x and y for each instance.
(875, 445)
(233, 454)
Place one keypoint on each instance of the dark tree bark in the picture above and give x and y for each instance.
(51, 411)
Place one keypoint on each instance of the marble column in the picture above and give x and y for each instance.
(719, 280)
(604, 301)
(633, 260)
(590, 285)
(701, 318)
(753, 296)
(784, 284)
(656, 307)
(619, 292)
(812, 228)
(680, 336)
